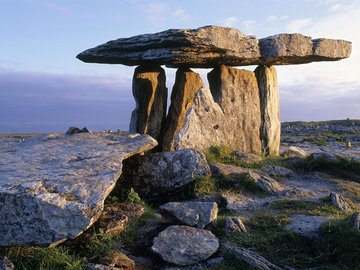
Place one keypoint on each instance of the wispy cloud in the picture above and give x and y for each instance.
(230, 21)
(273, 18)
(248, 26)
(297, 25)
(180, 14)
(57, 8)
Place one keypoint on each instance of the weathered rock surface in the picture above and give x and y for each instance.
(157, 174)
(234, 224)
(270, 109)
(150, 93)
(197, 214)
(323, 156)
(247, 157)
(277, 171)
(229, 114)
(235, 173)
(250, 257)
(187, 83)
(183, 245)
(6, 264)
(212, 45)
(307, 226)
(339, 202)
(53, 187)
(294, 151)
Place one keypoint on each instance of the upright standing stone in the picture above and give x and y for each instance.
(236, 91)
(150, 93)
(270, 109)
(186, 84)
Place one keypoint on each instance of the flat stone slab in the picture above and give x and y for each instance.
(307, 226)
(53, 187)
(209, 46)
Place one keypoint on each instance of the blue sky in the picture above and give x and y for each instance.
(43, 87)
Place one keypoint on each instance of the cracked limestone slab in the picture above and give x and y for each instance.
(53, 187)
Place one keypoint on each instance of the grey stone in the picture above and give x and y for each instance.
(234, 224)
(166, 172)
(210, 46)
(270, 110)
(277, 171)
(197, 214)
(93, 266)
(356, 220)
(294, 151)
(324, 156)
(307, 226)
(6, 264)
(150, 93)
(183, 245)
(53, 187)
(228, 113)
(247, 157)
(339, 202)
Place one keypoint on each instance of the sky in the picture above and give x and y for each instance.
(44, 88)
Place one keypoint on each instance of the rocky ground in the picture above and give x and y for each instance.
(297, 211)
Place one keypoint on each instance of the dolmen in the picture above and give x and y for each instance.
(240, 108)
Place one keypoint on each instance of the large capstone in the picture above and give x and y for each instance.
(53, 187)
(183, 245)
(210, 46)
(150, 93)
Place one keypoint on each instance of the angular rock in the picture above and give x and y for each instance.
(307, 226)
(339, 202)
(183, 245)
(187, 83)
(234, 224)
(75, 130)
(158, 174)
(324, 156)
(6, 264)
(210, 46)
(247, 157)
(230, 114)
(197, 214)
(270, 110)
(250, 257)
(356, 220)
(150, 93)
(93, 266)
(53, 187)
(294, 151)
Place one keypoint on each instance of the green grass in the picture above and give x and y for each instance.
(290, 207)
(35, 258)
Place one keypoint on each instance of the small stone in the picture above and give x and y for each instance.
(183, 245)
(197, 214)
(6, 264)
(234, 224)
(247, 157)
(93, 266)
(339, 202)
(356, 220)
(277, 171)
(294, 151)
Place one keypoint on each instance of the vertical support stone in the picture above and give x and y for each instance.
(150, 93)
(236, 91)
(270, 109)
(186, 84)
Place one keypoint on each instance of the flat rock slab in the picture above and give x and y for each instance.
(183, 245)
(307, 226)
(53, 187)
(209, 46)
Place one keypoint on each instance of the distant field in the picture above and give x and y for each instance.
(345, 122)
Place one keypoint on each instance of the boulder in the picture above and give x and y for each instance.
(183, 245)
(6, 264)
(277, 171)
(338, 201)
(158, 174)
(186, 85)
(228, 113)
(270, 110)
(150, 93)
(197, 214)
(324, 156)
(209, 46)
(53, 187)
(75, 130)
